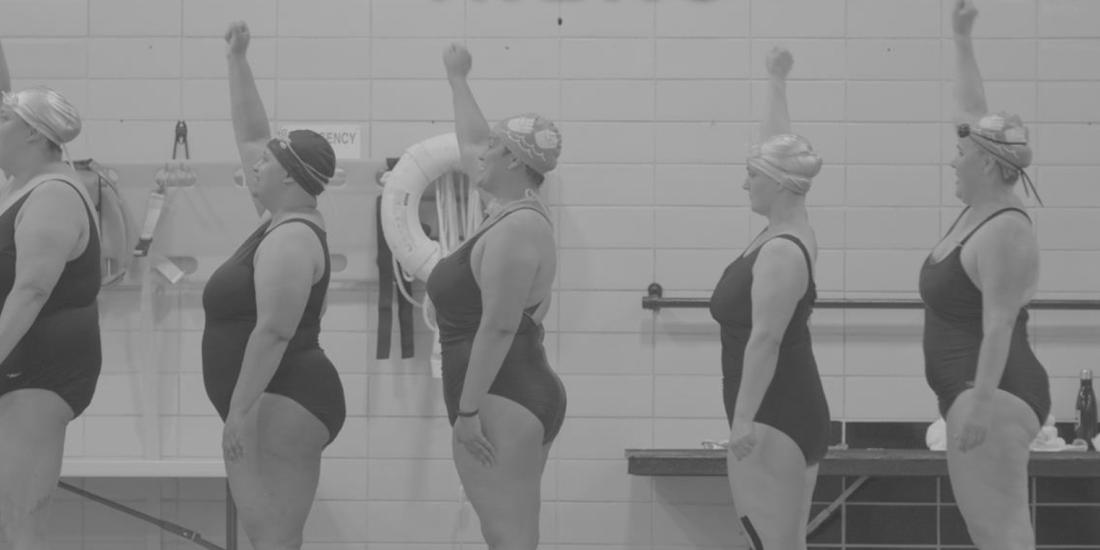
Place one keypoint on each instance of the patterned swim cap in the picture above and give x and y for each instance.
(532, 138)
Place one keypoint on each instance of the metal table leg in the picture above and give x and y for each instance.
(828, 511)
(168, 526)
(230, 519)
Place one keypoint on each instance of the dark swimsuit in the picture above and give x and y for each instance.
(61, 351)
(525, 375)
(305, 374)
(953, 335)
(794, 402)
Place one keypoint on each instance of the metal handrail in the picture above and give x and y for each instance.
(655, 300)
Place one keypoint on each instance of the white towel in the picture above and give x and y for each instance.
(1046, 440)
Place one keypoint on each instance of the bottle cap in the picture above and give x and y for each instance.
(1086, 374)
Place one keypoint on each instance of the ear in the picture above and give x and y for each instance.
(34, 136)
(288, 180)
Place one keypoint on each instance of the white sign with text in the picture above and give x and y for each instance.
(346, 139)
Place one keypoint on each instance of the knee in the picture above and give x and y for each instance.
(760, 538)
(510, 537)
(16, 516)
(1007, 536)
(287, 543)
(748, 528)
(264, 534)
(770, 537)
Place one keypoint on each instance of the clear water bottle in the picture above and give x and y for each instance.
(1085, 427)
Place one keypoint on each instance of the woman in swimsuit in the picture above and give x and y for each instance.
(50, 353)
(490, 296)
(264, 371)
(992, 390)
(775, 403)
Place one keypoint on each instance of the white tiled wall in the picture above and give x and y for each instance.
(657, 100)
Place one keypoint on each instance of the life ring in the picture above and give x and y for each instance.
(419, 166)
(117, 231)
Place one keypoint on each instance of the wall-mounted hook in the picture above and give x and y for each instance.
(655, 290)
(380, 175)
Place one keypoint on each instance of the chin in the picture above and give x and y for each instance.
(485, 186)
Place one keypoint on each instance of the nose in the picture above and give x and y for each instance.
(745, 185)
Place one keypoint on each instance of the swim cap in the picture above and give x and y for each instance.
(789, 159)
(1007, 136)
(532, 138)
(46, 111)
(307, 157)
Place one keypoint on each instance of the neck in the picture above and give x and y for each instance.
(20, 175)
(283, 213)
(788, 212)
(514, 191)
(996, 195)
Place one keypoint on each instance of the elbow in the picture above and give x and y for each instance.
(503, 333)
(499, 332)
(999, 327)
(272, 335)
(767, 342)
(30, 293)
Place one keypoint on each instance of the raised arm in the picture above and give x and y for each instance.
(970, 102)
(777, 119)
(470, 125)
(250, 124)
(5, 76)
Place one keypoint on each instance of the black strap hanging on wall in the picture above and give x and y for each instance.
(385, 287)
(386, 293)
(405, 319)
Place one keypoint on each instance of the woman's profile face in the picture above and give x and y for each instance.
(14, 134)
(969, 164)
(492, 163)
(762, 190)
